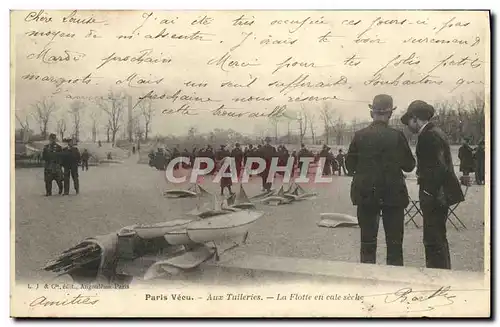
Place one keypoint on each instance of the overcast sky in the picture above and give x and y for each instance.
(186, 50)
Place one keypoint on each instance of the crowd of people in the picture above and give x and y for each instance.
(332, 163)
(472, 160)
(61, 164)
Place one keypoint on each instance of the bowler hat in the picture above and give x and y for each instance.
(268, 139)
(419, 109)
(52, 136)
(382, 103)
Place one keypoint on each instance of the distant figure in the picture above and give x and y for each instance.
(222, 153)
(341, 163)
(237, 154)
(465, 154)
(377, 156)
(109, 157)
(303, 152)
(151, 157)
(85, 160)
(226, 182)
(133, 149)
(175, 154)
(325, 153)
(266, 152)
(160, 159)
(479, 158)
(52, 156)
(209, 153)
(283, 156)
(71, 161)
(99, 144)
(295, 161)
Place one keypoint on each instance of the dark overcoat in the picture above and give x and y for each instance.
(377, 157)
(436, 175)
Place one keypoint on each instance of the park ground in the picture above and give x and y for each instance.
(117, 195)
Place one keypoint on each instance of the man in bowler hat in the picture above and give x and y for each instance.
(377, 157)
(438, 184)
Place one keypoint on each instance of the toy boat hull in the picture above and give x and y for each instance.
(337, 220)
(179, 194)
(177, 237)
(213, 213)
(244, 206)
(185, 261)
(222, 227)
(276, 200)
(306, 196)
(158, 230)
(262, 195)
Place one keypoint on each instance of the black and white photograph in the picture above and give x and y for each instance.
(250, 163)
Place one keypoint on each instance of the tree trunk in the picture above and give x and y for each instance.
(288, 132)
(326, 134)
(44, 131)
(94, 134)
(108, 131)
(113, 137)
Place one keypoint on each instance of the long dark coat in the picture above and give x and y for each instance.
(466, 156)
(436, 175)
(377, 157)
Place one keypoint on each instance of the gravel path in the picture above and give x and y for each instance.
(113, 196)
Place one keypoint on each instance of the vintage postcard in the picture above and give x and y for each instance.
(250, 163)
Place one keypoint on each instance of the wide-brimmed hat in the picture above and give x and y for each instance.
(382, 103)
(419, 109)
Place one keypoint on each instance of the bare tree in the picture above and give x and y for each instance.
(147, 111)
(326, 115)
(42, 112)
(94, 118)
(275, 122)
(25, 127)
(311, 126)
(340, 128)
(113, 106)
(108, 132)
(61, 127)
(137, 128)
(76, 112)
(193, 130)
(302, 119)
